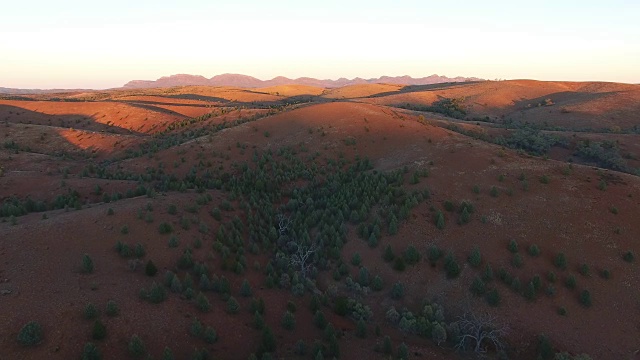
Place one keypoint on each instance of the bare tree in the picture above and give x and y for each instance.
(476, 330)
(283, 224)
(302, 258)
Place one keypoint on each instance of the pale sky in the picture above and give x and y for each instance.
(87, 44)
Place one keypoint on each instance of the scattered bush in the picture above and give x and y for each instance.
(584, 270)
(165, 228)
(245, 289)
(91, 352)
(150, 269)
(288, 320)
(570, 282)
(411, 255)
(533, 250)
(439, 220)
(397, 291)
(136, 347)
(451, 266)
(31, 334)
(99, 331)
(388, 255)
(493, 297)
(560, 261)
(513, 246)
(475, 258)
(203, 302)
(87, 264)
(112, 308)
(585, 298)
(628, 257)
(434, 254)
(517, 261)
(90, 311)
(232, 305)
(356, 259)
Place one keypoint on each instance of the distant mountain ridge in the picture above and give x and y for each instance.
(245, 81)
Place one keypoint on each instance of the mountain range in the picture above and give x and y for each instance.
(246, 81)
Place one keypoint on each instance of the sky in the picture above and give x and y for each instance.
(88, 44)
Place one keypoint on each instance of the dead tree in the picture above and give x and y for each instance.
(283, 224)
(476, 330)
(302, 258)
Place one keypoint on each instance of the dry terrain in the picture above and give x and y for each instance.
(528, 191)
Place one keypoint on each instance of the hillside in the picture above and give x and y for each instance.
(292, 220)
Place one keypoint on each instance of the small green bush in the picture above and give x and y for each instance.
(288, 320)
(165, 228)
(570, 282)
(513, 246)
(451, 266)
(87, 264)
(584, 270)
(475, 258)
(90, 311)
(112, 308)
(203, 302)
(150, 269)
(356, 259)
(136, 347)
(91, 352)
(533, 250)
(560, 261)
(628, 256)
(99, 331)
(232, 305)
(585, 298)
(388, 255)
(397, 291)
(31, 334)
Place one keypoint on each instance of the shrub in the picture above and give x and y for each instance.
(361, 329)
(628, 256)
(403, 351)
(91, 352)
(388, 255)
(517, 261)
(585, 298)
(478, 286)
(386, 345)
(165, 228)
(136, 347)
(150, 269)
(87, 264)
(167, 354)
(513, 246)
(545, 179)
(399, 264)
(493, 297)
(173, 209)
(439, 220)
(288, 320)
(605, 274)
(203, 302)
(397, 291)
(157, 293)
(487, 274)
(268, 341)
(232, 305)
(31, 334)
(562, 311)
(434, 254)
(110, 211)
(560, 261)
(570, 282)
(139, 251)
(551, 276)
(173, 241)
(584, 270)
(493, 192)
(90, 311)
(356, 259)
(319, 320)
(99, 331)
(112, 308)
(124, 230)
(533, 250)
(475, 258)
(196, 328)
(376, 285)
(245, 289)
(411, 255)
(451, 266)
(476, 189)
(210, 335)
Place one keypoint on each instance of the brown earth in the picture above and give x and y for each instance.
(564, 212)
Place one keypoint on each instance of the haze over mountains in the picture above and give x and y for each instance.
(246, 81)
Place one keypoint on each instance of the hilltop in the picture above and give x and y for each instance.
(514, 201)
